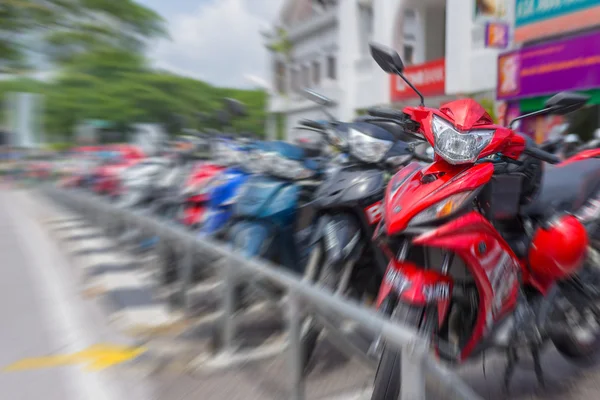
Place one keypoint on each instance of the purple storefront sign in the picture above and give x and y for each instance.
(569, 64)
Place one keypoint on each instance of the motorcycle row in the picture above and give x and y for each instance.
(465, 230)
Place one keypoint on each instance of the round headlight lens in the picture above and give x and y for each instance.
(459, 147)
(367, 148)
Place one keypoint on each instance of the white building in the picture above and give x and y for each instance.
(440, 41)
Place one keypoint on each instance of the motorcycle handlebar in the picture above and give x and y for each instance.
(311, 124)
(551, 143)
(387, 113)
(542, 155)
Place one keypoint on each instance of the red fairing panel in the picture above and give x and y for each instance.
(406, 196)
(203, 171)
(583, 155)
(491, 261)
(374, 213)
(193, 214)
(415, 285)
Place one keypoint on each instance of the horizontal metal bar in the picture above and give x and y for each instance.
(397, 335)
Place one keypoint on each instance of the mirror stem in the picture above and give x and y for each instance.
(532, 114)
(399, 73)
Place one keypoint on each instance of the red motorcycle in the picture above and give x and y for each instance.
(488, 249)
(108, 175)
(195, 196)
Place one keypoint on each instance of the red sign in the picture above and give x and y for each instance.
(429, 78)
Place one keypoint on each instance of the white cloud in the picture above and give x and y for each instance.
(220, 42)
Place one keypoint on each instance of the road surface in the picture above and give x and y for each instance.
(43, 314)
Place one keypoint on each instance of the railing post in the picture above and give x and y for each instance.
(184, 277)
(295, 346)
(230, 282)
(412, 371)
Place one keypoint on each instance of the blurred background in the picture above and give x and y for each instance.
(171, 108)
(85, 72)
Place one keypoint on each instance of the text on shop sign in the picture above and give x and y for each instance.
(429, 78)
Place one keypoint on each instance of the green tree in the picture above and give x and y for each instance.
(97, 47)
(64, 30)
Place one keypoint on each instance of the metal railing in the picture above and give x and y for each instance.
(416, 359)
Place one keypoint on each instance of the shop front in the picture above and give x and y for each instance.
(529, 76)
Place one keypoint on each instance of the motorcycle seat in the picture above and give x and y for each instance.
(565, 188)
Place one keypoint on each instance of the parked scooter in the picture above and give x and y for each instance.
(193, 210)
(484, 253)
(222, 190)
(348, 206)
(272, 207)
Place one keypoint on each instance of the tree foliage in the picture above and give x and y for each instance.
(62, 30)
(280, 42)
(132, 97)
(97, 49)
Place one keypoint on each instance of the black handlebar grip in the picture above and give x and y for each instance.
(542, 155)
(550, 144)
(311, 124)
(386, 113)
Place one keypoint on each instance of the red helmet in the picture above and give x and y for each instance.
(558, 249)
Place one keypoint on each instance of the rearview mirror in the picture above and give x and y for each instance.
(387, 59)
(235, 107)
(566, 102)
(317, 98)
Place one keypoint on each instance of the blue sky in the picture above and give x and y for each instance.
(215, 40)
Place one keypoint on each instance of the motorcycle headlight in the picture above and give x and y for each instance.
(366, 148)
(277, 165)
(459, 147)
(441, 209)
(336, 139)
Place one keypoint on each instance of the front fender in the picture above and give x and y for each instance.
(341, 235)
(411, 284)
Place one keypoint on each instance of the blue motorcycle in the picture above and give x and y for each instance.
(272, 213)
(223, 189)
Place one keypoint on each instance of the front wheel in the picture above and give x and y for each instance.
(580, 341)
(331, 278)
(387, 382)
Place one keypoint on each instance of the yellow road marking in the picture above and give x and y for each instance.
(95, 358)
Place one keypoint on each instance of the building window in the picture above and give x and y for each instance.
(331, 67)
(280, 77)
(306, 76)
(316, 72)
(408, 54)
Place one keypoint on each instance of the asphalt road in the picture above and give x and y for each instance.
(44, 313)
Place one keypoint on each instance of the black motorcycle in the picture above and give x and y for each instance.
(348, 206)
